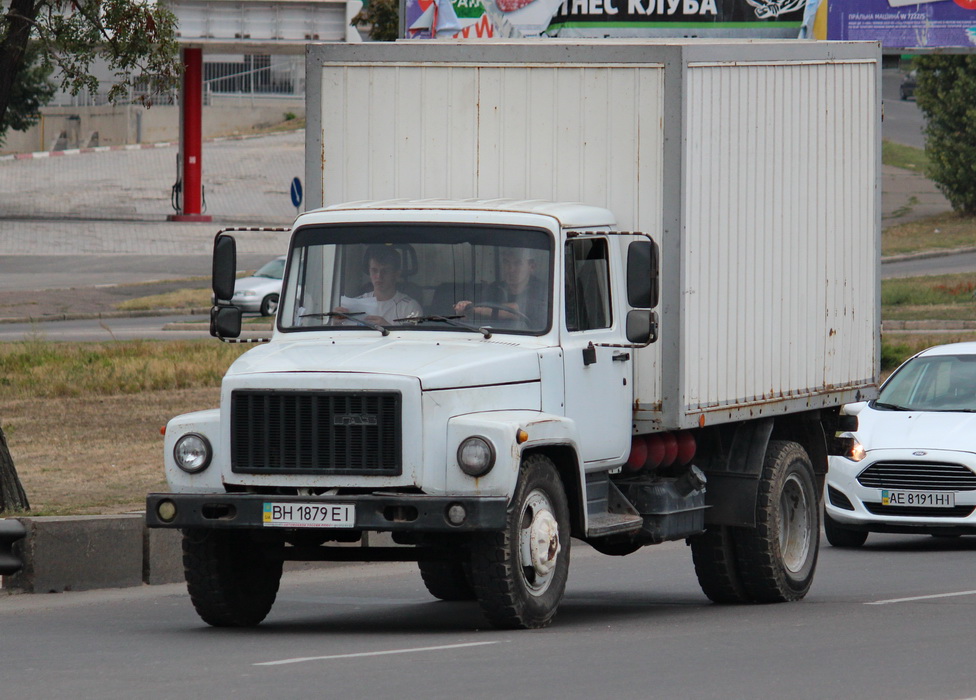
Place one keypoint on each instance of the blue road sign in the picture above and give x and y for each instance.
(296, 192)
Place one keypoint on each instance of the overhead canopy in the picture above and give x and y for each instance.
(262, 26)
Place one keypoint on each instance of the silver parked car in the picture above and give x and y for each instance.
(259, 293)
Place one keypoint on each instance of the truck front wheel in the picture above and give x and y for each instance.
(777, 558)
(232, 579)
(519, 574)
(447, 580)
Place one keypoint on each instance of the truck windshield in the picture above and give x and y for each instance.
(418, 277)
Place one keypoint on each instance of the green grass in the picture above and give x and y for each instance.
(39, 369)
(937, 297)
(905, 157)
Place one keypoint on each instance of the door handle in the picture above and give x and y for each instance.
(621, 356)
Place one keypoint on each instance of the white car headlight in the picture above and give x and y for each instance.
(246, 293)
(192, 453)
(476, 456)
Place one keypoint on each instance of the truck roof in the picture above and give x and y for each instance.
(568, 214)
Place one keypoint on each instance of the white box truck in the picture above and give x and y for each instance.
(613, 291)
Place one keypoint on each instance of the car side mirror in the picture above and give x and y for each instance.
(642, 274)
(225, 322)
(224, 273)
(641, 326)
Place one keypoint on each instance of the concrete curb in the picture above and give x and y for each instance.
(87, 552)
(77, 553)
(926, 254)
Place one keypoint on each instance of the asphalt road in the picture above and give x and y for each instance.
(892, 620)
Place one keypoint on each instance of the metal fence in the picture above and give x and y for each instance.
(254, 75)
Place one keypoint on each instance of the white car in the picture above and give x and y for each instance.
(909, 463)
(259, 293)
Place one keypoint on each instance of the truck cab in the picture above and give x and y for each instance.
(423, 353)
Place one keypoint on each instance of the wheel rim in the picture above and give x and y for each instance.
(272, 306)
(539, 545)
(795, 524)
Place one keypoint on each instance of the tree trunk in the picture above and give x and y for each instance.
(12, 496)
(13, 46)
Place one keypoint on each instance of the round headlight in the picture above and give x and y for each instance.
(192, 453)
(476, 456)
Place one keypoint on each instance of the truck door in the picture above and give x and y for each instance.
(598, 380)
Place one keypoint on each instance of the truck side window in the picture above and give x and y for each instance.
(587, 285)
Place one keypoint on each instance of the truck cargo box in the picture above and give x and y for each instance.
(753, 164)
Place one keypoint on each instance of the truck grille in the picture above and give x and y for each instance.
(925, 476)
(306, 432)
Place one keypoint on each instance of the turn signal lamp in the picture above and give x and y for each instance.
(166, 510)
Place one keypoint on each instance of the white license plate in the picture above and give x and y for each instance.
(309, 514)
(921, 499)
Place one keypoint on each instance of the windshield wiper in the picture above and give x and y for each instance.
(891, 406)
(450, 320)
(351, 315)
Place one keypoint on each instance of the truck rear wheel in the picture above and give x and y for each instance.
(447, 580)
(232, 579)
(519, 574)
(777, 558)
(713, 552)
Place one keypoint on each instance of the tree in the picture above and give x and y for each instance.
(135, 38)
(382, 17)
(946, 94)
(32, 89)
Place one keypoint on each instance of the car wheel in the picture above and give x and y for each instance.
(776, 560)
(840, 536)
(519, 574)
(232, 579)
(269, 305)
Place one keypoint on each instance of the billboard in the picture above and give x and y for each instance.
(605, 18)
(905, 25)
(679, 18)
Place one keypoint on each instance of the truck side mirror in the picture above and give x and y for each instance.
(225, 321)
(642, 274)
(224, 273)
(641, 326)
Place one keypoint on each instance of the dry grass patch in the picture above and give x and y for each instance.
(942, 232)
(94, 455)
(83, 420)
(179, 299)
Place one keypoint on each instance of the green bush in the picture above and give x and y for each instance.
(946, 94)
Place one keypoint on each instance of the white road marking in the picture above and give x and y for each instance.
(302, 659)
(920, 597)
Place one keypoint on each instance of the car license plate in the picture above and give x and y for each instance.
(309, 514)
(921, 499)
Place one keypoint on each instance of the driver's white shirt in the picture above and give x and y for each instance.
(397, 306)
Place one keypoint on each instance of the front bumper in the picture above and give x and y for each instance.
(857, 506)
(374, 512)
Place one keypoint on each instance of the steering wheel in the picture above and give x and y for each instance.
(501, 307)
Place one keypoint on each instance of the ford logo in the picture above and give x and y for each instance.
(920, 453)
